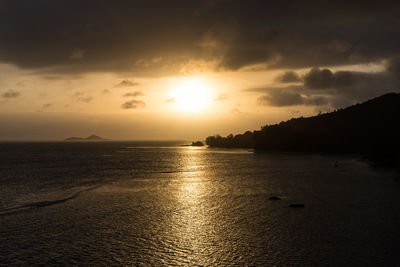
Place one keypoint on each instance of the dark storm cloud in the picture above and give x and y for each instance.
(11, 94)
(133, 104)
(325, 78)
(334, 89)
(288, 77)
(293, 34)
(282, 97)
(350, 82)
(140, 36)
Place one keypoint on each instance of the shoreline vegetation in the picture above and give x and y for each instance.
(195, 143)
(371, 129)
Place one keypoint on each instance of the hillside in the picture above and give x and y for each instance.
(367, 128)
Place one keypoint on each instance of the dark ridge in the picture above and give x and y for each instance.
(370, 129)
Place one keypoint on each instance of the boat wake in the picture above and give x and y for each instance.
(41, 204)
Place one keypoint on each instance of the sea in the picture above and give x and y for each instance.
(160, 204)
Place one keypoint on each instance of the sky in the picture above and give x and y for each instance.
(184, 70)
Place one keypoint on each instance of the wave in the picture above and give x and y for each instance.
(41, 204)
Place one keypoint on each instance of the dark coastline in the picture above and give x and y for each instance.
(369, 129)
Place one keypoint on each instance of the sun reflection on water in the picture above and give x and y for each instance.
(191, 221)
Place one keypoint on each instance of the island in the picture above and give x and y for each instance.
(195, 143)
(92, 137)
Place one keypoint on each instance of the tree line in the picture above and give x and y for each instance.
(369, 128)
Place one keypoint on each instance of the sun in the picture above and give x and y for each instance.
(191, 95)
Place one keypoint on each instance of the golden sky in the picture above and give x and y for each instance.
(187, 69)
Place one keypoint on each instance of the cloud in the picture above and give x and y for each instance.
(324, 87)
(133, 94)
(353, 85)
(82, 97)
(289, 77)
(60, 77)
(319, 79)
(221, 97)
(133, 104)
(237, 33)
(325, 79)
(235, 111)
(268, 89)
(279, 36)
(281, 98)
(11, 94)
(77, 54)
(85, 99)
(127, 83)
(78, 94)
(237, 58)
(393, 67)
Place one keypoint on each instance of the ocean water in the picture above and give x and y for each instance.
(120, 203)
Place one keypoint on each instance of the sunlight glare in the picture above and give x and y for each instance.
(191, 95)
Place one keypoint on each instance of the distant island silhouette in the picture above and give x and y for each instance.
(195, 143)
(92, 137)
(370, 128)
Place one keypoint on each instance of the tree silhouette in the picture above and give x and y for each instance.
(371, 128)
